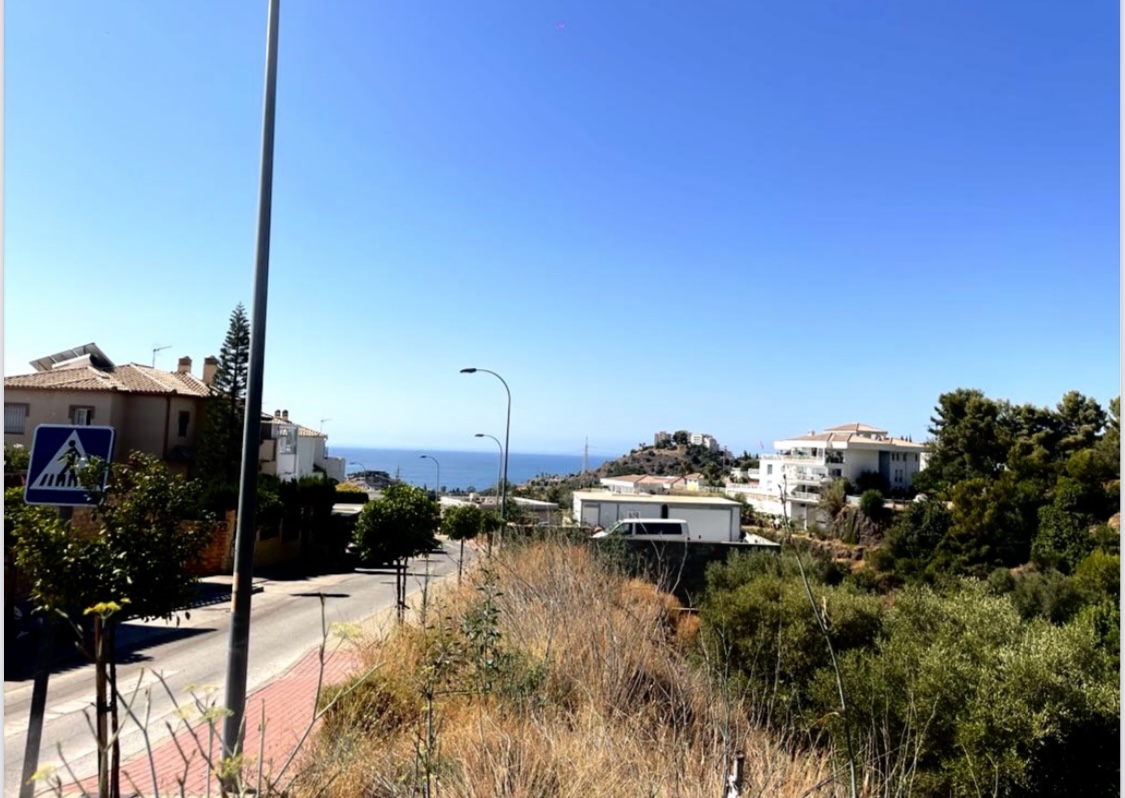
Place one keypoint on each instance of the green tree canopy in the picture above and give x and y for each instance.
(969, 440)
(462, 522)
(913, 537)
(989, 526)
(1081, 421)
(149, 533)
(398, 525)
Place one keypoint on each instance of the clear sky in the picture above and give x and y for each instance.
(736, 217)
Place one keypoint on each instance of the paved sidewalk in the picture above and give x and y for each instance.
(287, 702)
(287, 706)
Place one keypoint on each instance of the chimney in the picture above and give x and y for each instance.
(284, 415)
(210, 366)
(184, 366)
(277, 414)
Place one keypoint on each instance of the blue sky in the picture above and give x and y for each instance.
(748, 219)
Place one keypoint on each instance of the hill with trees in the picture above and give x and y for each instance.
(676, 457)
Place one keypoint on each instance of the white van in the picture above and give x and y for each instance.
(647, 529)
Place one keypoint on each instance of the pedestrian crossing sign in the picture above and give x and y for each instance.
(59, 452)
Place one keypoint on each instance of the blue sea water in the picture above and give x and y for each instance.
(463, 470)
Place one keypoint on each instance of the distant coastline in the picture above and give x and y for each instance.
(460, 470)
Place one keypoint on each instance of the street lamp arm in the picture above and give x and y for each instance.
(507, 433)
(437, 488)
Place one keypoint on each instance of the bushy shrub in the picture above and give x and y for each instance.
(959, 691)
(16, 458)
(350, 493)
(872, 504)
(1046, 594)
(758, 615)
(1001, 582)
(1010, 683)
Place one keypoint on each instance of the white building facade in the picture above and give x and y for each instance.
(791, 480)
(291, 451)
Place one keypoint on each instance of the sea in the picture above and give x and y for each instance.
(459, 470)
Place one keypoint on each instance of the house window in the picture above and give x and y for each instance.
(182, 423)
(81, 415)
(287, 439)
(15, 419)
(769, 469)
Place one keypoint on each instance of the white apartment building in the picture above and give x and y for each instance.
(802, 465)
(706, 441)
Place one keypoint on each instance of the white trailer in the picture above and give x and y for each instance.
(709, 518)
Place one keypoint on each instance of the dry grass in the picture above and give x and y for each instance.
(578, 684)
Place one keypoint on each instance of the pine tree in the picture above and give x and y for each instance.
(220, 452)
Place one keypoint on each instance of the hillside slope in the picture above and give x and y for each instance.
(548, 675)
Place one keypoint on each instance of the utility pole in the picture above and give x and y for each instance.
(238, 654)
(586, 456)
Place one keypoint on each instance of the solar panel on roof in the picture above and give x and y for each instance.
(97, 357)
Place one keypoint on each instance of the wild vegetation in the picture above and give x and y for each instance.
(973, 686)
(979, 644)
(547, 674)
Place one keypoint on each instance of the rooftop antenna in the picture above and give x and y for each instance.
(156, 349)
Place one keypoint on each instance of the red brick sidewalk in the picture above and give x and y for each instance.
(287, 703)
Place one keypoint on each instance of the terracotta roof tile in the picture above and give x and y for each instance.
(130, 378)
(82, 379)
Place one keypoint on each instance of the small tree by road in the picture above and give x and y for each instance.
(462, 522)
(398, 525)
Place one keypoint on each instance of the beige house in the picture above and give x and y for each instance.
(153, 411)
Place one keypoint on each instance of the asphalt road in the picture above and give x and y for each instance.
(285, 625)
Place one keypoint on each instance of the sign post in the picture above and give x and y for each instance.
(59, 452)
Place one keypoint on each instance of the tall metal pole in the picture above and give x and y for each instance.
(507, 431)
(438, 487)
(238, 654)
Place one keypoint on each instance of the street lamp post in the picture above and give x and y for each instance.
(238, 655)
(437, 488)
(500, 467)
(507, 431)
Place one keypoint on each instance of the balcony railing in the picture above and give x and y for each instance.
(804, 496)
(835, 458)
(805, 477)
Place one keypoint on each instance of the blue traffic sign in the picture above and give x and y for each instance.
(58, 453)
